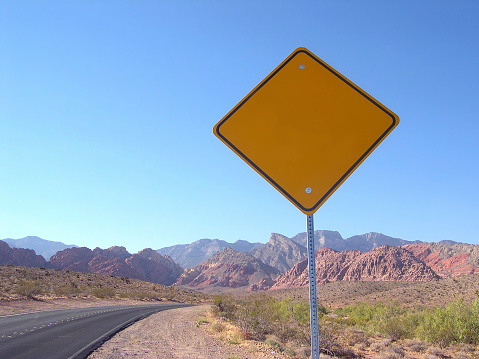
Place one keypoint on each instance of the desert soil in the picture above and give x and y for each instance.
(176, 334)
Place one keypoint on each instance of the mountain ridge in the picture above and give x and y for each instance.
(190, 255)
(278, 256)
(41, 246)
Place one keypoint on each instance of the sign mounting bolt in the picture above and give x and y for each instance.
(308, 189)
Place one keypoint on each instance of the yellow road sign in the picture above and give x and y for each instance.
(305, 128)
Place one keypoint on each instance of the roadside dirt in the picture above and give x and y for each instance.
(177, 334)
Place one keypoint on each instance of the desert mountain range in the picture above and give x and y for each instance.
(279, 263)
(41, 246)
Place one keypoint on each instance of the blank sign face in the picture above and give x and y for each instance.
(305, 128)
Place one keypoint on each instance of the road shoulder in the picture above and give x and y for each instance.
(177, 334)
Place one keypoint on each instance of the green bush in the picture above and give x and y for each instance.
(456, 322)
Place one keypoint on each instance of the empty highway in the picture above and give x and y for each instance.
(67, 333)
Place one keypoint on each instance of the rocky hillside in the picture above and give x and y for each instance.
(385, 263)
(41, 246)
(145, 265)
(230, 268)
(280, 252)
(20, 256)
(190, 255)
(448, 259)
(19, 283)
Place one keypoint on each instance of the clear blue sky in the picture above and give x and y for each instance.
(107, 110)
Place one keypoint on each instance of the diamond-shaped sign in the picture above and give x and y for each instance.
(305, 128)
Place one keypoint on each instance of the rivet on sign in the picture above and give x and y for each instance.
(301, 66)
(308, 190)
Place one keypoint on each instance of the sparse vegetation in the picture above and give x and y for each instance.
(283, 325)
(457, 322)
(28, 288)
(19, 283)
(103, 292)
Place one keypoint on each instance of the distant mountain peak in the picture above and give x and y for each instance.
(280, 252)
(41, 246)
(190, 255)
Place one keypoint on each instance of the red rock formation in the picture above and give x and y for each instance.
(230, 268)
(447, 260)
(385, 263)
(20, 256)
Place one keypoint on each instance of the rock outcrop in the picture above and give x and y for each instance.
(385, 263)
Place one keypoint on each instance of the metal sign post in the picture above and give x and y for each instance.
(313, 297)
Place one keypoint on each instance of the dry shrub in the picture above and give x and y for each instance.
(461, 355)
(103, 292)
(235, 336)
(224, 307)
(393, 348)
(28, 289)
(353, 336)
(379, 346)
(67, 290)
(435, 351)
(218, 327)
(416, 345)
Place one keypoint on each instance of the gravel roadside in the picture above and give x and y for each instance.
(176, 334)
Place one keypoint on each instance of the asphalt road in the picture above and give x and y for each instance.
(67, 333)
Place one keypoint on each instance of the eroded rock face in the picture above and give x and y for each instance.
(229, 268)
(20, 256)
(448, 259)
(385, 263)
